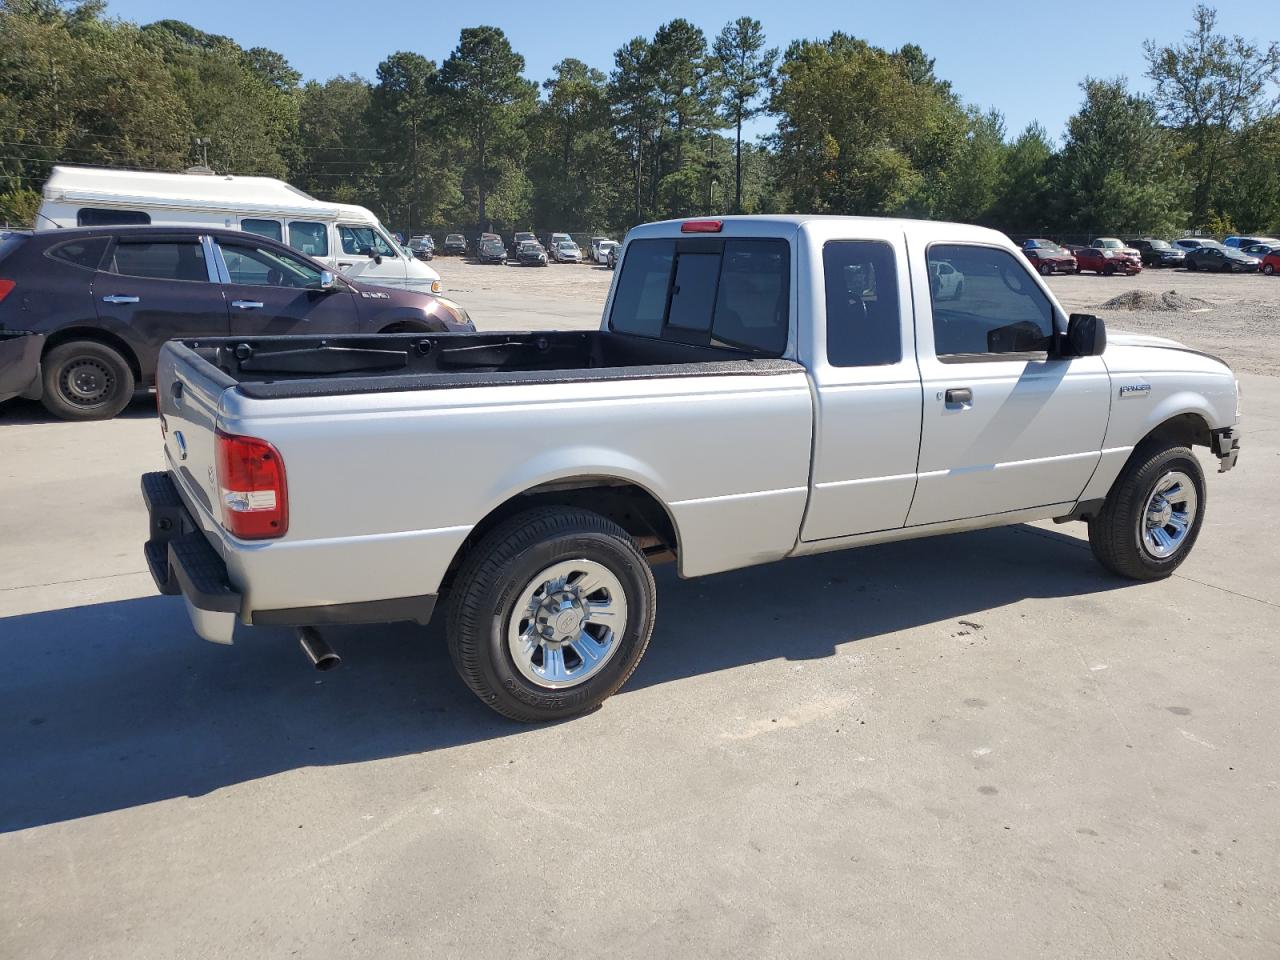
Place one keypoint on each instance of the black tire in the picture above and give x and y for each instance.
(1191, 265)
(504, 564)
(1046, 269)
(1116, 533)
(85, 380)
(1268, 269)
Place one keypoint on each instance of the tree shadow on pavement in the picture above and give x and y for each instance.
(112, 705)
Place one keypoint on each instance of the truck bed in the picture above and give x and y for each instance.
(277, 367)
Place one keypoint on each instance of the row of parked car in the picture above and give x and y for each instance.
(1107, 256)
(525, 248)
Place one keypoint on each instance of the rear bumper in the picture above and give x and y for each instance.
(183, 562)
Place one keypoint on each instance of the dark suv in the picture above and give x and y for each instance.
(107, 298)
(1158, 253)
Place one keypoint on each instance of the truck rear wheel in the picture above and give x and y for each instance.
(550, 614)
(85, 380)
(1152, 516)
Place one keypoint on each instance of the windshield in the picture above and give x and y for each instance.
(366, 241)
(454, 238)
(521, 237)
(529, 246)
(1159, 245)
(1211, 243)
(568, 245)
(1042, 245)
(1108, 243)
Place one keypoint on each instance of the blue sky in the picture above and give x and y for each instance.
(1025, 59)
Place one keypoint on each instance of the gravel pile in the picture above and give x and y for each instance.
(1168, 302)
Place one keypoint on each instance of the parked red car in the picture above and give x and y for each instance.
(1271, 263)
(1047, 257)
(1108, 256)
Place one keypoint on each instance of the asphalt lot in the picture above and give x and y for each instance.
(973, 746)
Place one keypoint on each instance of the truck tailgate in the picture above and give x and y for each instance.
(188, 394)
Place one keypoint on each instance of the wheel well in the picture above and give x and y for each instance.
(404, 326)
(631, 507)
(1184, 430)
(104, 337)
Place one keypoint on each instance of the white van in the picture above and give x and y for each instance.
(347, 237)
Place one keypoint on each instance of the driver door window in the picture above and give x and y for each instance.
(266, 267)
(985, 304)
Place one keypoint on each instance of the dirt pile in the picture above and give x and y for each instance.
(1168, 302)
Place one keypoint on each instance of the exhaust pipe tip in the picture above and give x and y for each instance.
(321, 655)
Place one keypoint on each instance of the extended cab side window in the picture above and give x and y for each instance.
(985, 303)
(731, 293)
(864, 323)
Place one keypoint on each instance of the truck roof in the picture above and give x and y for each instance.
(752, 224)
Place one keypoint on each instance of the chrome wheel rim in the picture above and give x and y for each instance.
(86, 381)
(567, 623)
(1168, 515)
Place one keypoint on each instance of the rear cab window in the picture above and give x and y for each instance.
(732, 292)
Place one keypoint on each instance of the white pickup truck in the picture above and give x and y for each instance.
(760, 388)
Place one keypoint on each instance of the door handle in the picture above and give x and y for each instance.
(118, 298)
(959, 395)
(346, 263)
(247, 304)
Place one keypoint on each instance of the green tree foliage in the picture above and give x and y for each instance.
(1114, 172)
(242, 102)
(1023, 200)
(474, 144)
(974, 178)
(336, 151)
(488, 102)
(745, 73)
(577, 167)
(862, 130)
(406, 111)
(1212, 89)
(76, 88)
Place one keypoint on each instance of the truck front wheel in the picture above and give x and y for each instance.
(1152, 516)
(550, 614)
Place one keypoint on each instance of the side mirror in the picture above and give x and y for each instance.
(1086, 335)
(327, 280)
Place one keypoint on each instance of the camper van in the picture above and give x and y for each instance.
(347, 237)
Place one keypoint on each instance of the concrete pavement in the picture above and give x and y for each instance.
(979, 745)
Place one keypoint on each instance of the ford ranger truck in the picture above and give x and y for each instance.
(759, 388)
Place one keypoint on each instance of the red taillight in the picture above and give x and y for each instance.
(6, 286)
(251, 488)
(701, 226)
